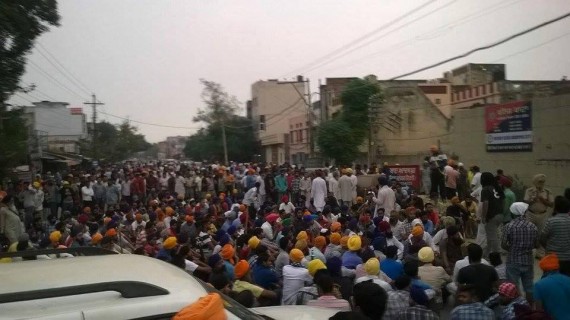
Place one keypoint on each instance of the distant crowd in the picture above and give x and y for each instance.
(268, 235)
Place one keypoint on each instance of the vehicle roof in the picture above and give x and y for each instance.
(47, 274)
(33, 275)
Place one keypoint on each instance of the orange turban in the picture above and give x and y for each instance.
(302, 236)
(344, 242)
(417, 231)
(549, 263)
(296, 255)
(320, 242)
(111, 232)
(169, 211)
(96, 238)
(55, 236)
(335, 226)
(228, 253)
(241, 268)
(210, 307)
(335, 238)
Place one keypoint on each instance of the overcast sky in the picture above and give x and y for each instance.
(144, 58)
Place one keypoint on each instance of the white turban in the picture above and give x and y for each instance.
(519, 208)
(416, 222)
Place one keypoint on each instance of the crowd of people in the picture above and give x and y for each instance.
(270, 235)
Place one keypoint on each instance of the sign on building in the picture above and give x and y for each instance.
(409, 176)
(509, 127)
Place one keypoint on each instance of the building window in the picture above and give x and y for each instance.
(292, 137)
(476, 91)
(300, 136)
(291, 126)
(262, 122)
(484, 89)
(437, 101)
(307, 123)
(462, 95)
(469, 93)
(491, 88)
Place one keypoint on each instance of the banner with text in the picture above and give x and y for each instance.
(508, 127)
(406, 175)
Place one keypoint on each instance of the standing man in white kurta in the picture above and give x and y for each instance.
(386, 197)
(319, 191)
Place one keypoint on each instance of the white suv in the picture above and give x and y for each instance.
(115, 287)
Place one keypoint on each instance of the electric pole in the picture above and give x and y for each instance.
(94, 105)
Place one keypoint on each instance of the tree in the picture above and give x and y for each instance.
(333, 142)
(13, 141)
(220, 105)
(116, 142)
(223, 124)
(21, 22)
(355, 106)
(206, 144)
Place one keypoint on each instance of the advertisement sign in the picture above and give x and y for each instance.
(508, 127)
(409, 176)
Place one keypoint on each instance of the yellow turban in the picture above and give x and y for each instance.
(314, 266)
(169, 243)
(372, 266)
(426, 255)
(302, 235)
(253, 242)
(55, 236)
(301, 244)
(354, 243)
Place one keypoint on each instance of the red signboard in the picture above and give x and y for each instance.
(76, 110)
(406, 175)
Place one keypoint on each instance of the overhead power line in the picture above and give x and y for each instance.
(381, 36)
(54, 80)
(429, 34)
(531, 48)
(62, 69)
(149, 124)
(468, 53)
(362, 38)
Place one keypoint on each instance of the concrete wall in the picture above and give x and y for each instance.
(416, 124)
(56, 119)
(551, 147)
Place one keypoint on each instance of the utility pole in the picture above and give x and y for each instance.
(310, 118)
(94, 105)
(226, 162)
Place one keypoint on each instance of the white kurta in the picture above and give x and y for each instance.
(333, 188)
(319, 193)
(354, 181)
(345, 188)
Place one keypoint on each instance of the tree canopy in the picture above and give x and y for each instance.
(116, 142)
(13, 141)
(340, 138)
(220, 110)
(21, 22)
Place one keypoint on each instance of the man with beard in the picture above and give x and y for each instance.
(450, 248)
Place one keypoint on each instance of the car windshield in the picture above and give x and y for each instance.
(232, 306)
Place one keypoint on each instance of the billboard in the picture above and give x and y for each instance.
(508, 127)
(409, 176)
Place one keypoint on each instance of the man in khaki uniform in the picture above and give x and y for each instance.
(540, 200)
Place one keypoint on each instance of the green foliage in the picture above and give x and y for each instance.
(221, 109)
(21, 22)
(206, 144)
(340, 137)
(355, 103)
(219, 104)
(13, 141)
(334, 141)
(115, 142)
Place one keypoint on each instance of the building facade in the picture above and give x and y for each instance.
(273, 103)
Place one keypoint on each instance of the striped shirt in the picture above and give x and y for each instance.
(330, 302)
(556, 235)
